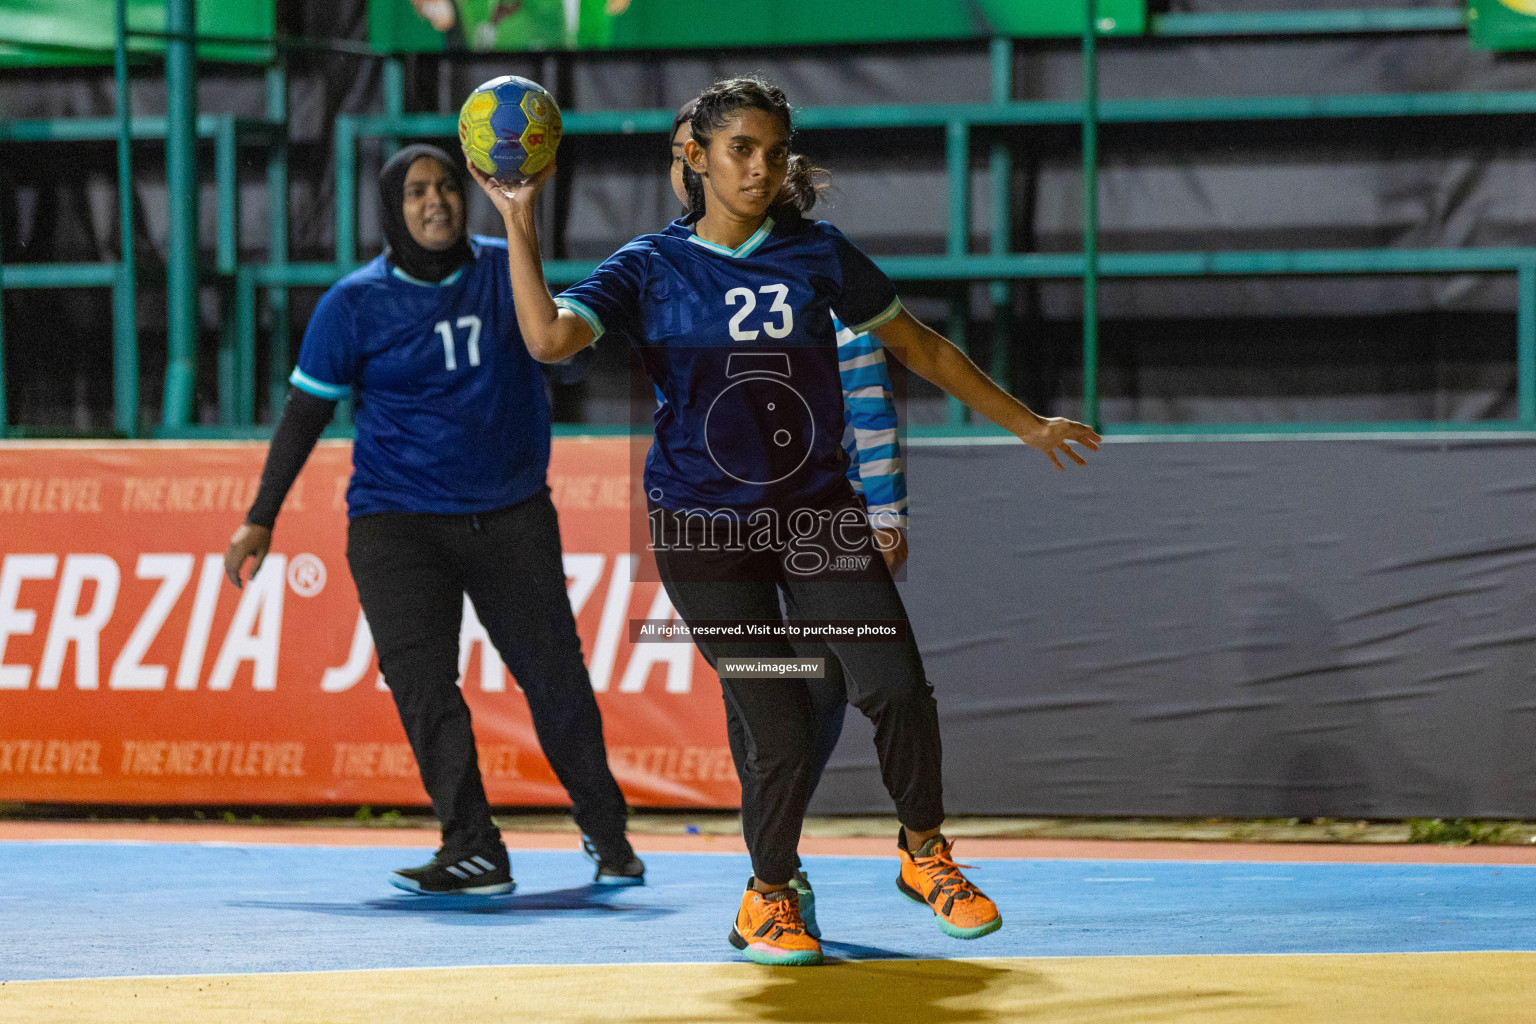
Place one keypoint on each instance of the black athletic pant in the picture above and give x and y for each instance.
(412, 572)
(776, 749)
(828, 698)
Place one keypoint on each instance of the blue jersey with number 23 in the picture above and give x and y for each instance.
(741, 347)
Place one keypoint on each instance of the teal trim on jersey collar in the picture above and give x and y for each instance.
(452, 278)
(744, 249)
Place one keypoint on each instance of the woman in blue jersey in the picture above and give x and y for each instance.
(875, 474)
(731, 312)
(447, 499)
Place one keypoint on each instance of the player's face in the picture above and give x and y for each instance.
(679, 161)
(744, 166)
(434, 206)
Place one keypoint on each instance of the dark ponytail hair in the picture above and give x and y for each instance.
(714, 106)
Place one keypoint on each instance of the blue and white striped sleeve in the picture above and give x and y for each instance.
(875, 467)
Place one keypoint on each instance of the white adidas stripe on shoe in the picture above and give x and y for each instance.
(475, 875)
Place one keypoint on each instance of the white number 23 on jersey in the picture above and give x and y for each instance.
(748, 303)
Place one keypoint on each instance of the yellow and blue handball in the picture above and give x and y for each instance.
(510, 128)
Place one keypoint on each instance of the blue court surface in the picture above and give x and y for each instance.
(99, 909)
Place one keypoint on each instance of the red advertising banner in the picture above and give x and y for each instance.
(131, 671)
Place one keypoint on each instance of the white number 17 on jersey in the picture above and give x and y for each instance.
(473, 323)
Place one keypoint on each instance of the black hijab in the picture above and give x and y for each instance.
(403, 250)
(684, 113)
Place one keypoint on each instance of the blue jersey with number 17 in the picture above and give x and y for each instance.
(741, 347)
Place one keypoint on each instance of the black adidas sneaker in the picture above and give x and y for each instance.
(619, 867)
(487, 873)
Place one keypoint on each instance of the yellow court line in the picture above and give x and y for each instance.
(1433, 988)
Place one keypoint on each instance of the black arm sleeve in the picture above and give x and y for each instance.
(304, 417)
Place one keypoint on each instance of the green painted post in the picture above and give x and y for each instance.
(1525, 344)
(394, 107)
(394, 99)
(125, 329)
(2, 312)
(1091, 216)
(181, 200)
(1000, 169)
(346, 218)
(125, 353)
(277, 248)
(243, 346)
(231, 371)
(346, 190)
(227, 180)
(957, 152)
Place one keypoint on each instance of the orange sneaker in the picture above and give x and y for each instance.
(931, 877)
(769, 929)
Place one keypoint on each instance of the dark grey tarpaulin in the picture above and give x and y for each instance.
(1262, 628)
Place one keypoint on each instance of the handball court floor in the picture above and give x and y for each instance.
(153, 923)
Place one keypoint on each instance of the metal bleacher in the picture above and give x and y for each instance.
(246, 284)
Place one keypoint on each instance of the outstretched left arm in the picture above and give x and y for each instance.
(934, 358)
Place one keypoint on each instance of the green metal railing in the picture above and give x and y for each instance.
(238, 373)
(181, 129)
(125, 339)
(1300, 23)
(228, 134)
(1091, 267)
(1000, 267)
